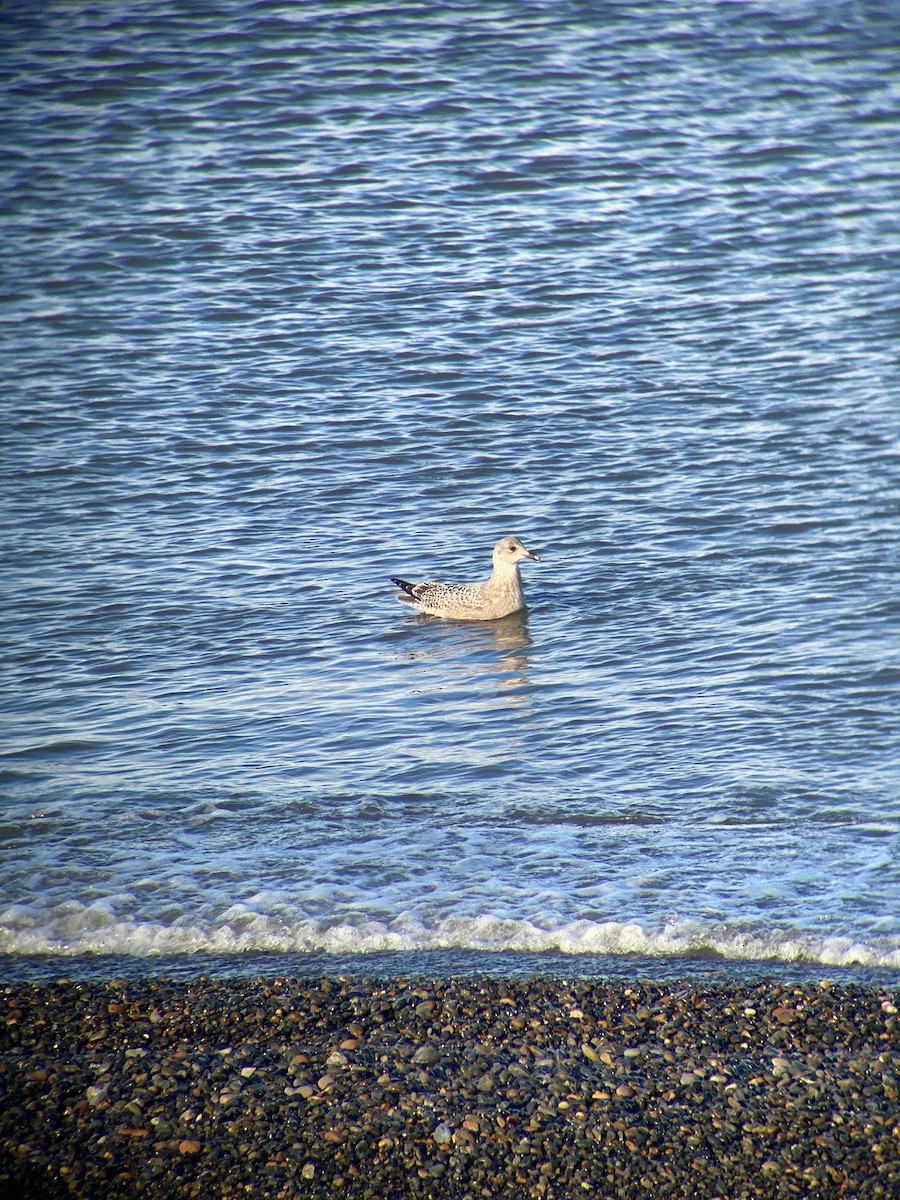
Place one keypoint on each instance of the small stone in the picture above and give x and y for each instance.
(425, 1055)
(189, 1146)
(308, 1170)
(486, 1083)
(625, 1090)
(590, 1053)
(443, 1134)
(336, 1059)
(94, 1095)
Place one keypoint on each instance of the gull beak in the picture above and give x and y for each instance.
(532, 556)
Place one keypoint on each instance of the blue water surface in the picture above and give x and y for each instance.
(299, 297)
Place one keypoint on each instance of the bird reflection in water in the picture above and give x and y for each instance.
(508, 638)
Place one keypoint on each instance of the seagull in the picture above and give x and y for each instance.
(497, 597)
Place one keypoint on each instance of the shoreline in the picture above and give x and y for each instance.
(452, 1087)
(699, 970)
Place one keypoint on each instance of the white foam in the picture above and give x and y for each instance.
(76, 929)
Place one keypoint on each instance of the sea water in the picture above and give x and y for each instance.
(300, 296)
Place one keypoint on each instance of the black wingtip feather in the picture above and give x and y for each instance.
(404, 585)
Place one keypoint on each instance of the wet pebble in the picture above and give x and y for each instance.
(448, 1088)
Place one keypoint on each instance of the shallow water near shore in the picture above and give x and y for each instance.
(434, 965)
(300, 298)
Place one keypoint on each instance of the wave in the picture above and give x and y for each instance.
(96, 929)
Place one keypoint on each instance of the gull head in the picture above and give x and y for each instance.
(511, 550)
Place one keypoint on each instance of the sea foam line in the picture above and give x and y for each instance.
(93, 929)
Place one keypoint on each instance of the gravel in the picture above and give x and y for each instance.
(450, 1088)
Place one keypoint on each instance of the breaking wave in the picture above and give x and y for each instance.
(81, 929)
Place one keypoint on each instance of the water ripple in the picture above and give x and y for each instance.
(301, 298)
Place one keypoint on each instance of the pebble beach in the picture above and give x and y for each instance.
(456, 1088)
